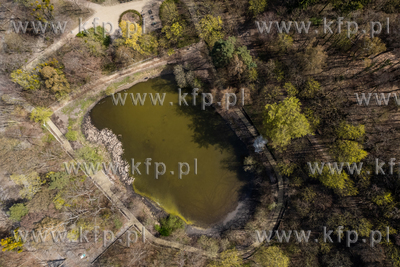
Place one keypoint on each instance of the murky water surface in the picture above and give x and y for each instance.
(173, 134)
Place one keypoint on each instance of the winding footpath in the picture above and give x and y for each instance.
(100, 179)
(103, 14)
(247, 132)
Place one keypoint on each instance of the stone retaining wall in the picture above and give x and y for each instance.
(114, 146)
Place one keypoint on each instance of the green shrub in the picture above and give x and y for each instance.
(278, 71)
(30, 182)
(110, 90)
(59, 202)
(17, 211)
(55, 80)
(174, 12)
(256, 7)
(89, 154)
(170, 52)
(169, 224)
(71, 135)
(28, 80)
(229, 258)
(286, 168)
(149, 43)
(58, 180)
(40, 114)
(393, 253)
(12, 243)
(97, 37)
(117, 223)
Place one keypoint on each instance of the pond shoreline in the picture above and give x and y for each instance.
(114, 146)
(238, 216)
(156, 210)
(245, 207)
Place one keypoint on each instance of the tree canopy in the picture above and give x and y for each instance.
(58, 180)
(28, 80)
(31, 184)
(347, 6)
(169, 224)
(311, 88)
(290, 89)
(284, 122)
(40, 114)
(314, 58)
(168, 12)
(54, 80)
(173, 32)
(135, 31)
(222, 52)
(148, 43)
(228, 258)
(372, 46)
(348, 151)
(256, 7)
(211, 29)
(244, 54)
(350, 132)
(271, 256)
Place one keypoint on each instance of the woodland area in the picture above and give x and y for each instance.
(300, 94)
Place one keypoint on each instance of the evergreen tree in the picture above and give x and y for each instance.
(222, 52)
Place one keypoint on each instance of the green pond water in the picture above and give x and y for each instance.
(172, 134)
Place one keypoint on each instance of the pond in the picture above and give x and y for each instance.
(174, 134)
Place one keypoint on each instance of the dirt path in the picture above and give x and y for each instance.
(104, 14)
(111, 14)
(105, 185)
(101, 180)
(103, 82)
(278, 190)
(276, 214)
